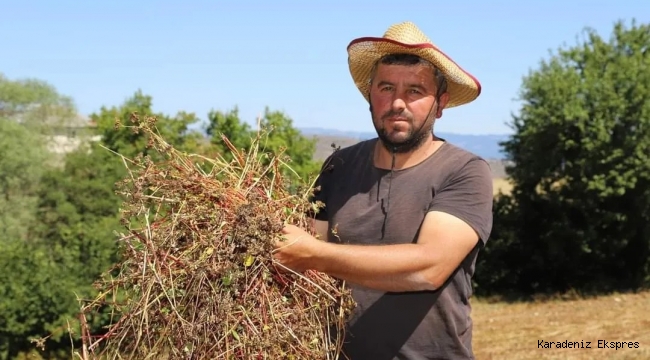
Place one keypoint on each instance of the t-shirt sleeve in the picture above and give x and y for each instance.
(468, 196)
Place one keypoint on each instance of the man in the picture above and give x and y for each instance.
(405, 213)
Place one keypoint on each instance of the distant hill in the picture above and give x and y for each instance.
(486, 146)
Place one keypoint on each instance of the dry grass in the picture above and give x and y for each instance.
(512, 330)
(505, 186)
(501, 185)
(197, 279)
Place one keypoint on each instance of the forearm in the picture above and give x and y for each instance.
(399, 267)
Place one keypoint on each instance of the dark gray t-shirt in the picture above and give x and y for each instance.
(409, 325)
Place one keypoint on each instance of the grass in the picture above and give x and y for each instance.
(501, 184)
(512, 330)
(197, 279)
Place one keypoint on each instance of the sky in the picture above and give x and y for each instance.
(290, 56)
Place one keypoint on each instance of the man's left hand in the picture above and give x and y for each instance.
(297, 250)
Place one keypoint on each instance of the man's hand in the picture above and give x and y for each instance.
(444, 242)
(297, 250)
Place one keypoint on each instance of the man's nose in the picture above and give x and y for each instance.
(398, 104)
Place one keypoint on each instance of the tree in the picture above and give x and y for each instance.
(36, 298)
(581, 177)
(283, 136)
(21, 168)
(35, 291)
(229, 125)
(278, 136)
(64, 217)
(29, 109)
(79, 209)
(35, 104)
(175, 129)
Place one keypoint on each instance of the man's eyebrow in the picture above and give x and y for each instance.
(418, 86)
(384, 82)
(412, 85)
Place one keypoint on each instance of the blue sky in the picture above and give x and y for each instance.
(288, 55)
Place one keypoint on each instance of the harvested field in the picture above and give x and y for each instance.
(501, 185)
(513, 330)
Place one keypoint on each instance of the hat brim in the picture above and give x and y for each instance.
(364, 52)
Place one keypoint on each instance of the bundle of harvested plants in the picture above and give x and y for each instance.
(197, 279)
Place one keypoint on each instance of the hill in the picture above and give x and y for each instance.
(486, 146)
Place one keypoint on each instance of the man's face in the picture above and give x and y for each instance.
(404, 105)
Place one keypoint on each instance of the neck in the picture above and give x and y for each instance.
(383, 158)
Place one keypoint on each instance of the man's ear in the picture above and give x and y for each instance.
(442, 103)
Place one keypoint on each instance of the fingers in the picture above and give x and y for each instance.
(288, 228)
(287, 243)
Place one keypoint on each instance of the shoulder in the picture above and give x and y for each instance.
(466, 190)
(461, 156)
(460, 164)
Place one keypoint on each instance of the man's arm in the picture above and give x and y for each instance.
(459, 216)
(444, 242)
(320, 227)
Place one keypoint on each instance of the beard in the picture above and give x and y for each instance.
(411, 141)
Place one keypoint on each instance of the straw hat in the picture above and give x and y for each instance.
(407, 38)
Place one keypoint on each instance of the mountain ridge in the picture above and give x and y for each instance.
(486, 146)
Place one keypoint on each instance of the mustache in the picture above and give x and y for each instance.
(403, 114)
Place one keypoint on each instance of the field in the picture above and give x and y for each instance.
(527, 330)
(513, 330)
(501, 184)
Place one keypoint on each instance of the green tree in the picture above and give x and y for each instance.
(79, 209)
(35, 291)
(229, 125)
(278, 136)
(22, 162)
(581, 151)
(29, 109)
(175, 129)
(36, 298)
(36, 104)
(82, 195)
(283, 136)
